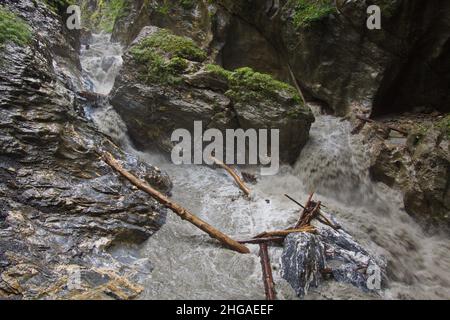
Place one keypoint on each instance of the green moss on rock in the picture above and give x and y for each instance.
(307, 12)
(247, 85)
(13, 29)
(165, 57)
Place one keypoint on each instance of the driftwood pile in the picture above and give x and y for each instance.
(310, 211)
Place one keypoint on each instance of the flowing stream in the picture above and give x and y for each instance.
(187, 264)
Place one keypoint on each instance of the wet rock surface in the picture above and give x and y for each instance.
(308, 260)
(418, 165)
(336, 58)
(152, 111)
(61, 207)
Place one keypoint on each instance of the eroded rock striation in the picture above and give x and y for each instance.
(61, 207)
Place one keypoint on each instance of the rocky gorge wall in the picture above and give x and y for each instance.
(331, 52)
(61, 207)
(338, 62)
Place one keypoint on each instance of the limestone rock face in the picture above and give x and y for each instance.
(430, 191)
(339, 61)
(333, 54)
(61, 207)
(420, 168)
(153, 109)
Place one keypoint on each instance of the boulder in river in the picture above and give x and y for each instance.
(308, 258)
(167, 84)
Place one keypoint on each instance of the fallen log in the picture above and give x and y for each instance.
(269, 286)
(309, 214)
(382, 124)
(322, 218)
(297, 86)
(235, 176)
(284, 233)
(295, 201)
(262, 240)
(176, 208)
(308, 210)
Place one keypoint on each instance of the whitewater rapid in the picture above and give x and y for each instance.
(188, 265)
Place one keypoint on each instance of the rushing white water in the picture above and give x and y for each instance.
(101, 62)
(188, 265)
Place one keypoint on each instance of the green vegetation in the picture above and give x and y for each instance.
(165, 56)
(307, 12)
(247, 85)
(106, 14)
(13, 29)
(164, 8)
(218, 70)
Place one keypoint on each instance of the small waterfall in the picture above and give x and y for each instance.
(101, 62)
(187, 265)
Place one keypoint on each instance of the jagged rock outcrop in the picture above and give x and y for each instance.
(309, 259)
(61, 207)
(418, 165)
(166, 84)
(341, 62)
(189, 18)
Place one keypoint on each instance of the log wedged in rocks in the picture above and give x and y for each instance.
(176, 208)
(269, 285)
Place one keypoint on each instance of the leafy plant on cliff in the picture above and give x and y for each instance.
(13, 29)
(165, 56)
(308, 11)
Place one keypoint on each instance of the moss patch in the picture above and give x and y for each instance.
(13, 29)
(247, 85)
(307, 12)
(165, 57)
